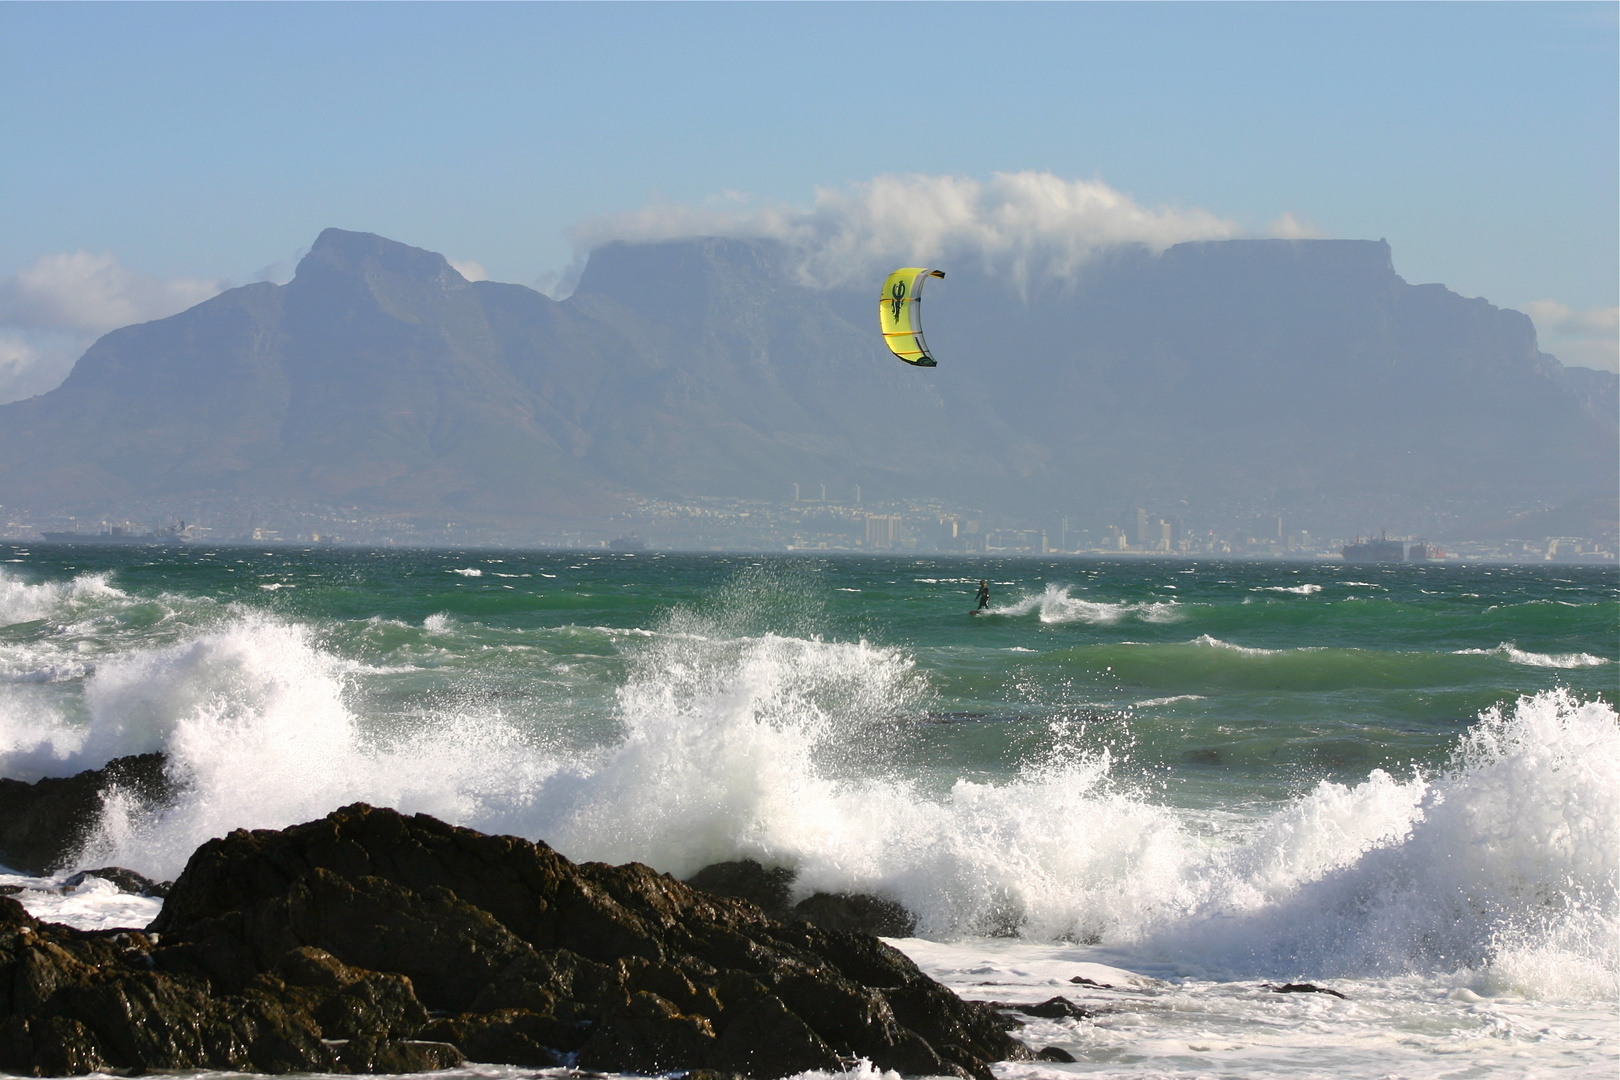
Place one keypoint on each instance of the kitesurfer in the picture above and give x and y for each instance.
(984, 595)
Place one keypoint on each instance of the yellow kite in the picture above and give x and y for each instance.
(900, 314)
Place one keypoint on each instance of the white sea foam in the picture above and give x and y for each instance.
(61, 601)
(1299, 590)
(93, 904)
(1504, 866)
(1511, 652)
(1055, 605)
(1208, 642)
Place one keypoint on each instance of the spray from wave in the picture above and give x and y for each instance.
(1055, 605)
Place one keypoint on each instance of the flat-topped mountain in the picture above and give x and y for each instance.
(1303, 377)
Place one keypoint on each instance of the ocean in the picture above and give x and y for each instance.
(1187, 782)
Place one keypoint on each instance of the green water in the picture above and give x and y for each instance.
(1235, 680)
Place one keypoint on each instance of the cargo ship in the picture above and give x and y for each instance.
(1381, 550)
(177, 533)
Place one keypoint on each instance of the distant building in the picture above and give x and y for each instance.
(882, 530)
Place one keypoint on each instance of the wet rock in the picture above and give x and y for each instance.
(1302, 988)
(348, 1002)
(323, 948)
(865, 914)
(1081, 980)
(1054, 1053)
(127, 881)
(626, 968)
(48, 1046)
(511, 1037)
(77, 1001)
(43, 825)
(365, 1054)
(770, 888)
(1054, 1008)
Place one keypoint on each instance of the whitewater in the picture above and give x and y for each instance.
(1192, 783)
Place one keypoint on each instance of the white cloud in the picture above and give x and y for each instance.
(34, 362)
(91, 294)
(1018, 224)
(469, 269)
(1289, 227)
(51, 311)
(1589, 338)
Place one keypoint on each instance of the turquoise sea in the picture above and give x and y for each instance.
(1400, 781)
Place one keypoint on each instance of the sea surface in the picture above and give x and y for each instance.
(1189, 781)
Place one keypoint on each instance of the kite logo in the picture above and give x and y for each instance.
(899, 294)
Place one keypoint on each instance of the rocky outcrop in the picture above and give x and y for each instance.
(771, 889)
(369, 941)
(44, 824)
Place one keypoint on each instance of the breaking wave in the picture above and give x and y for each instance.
(1055, 605)
(1511, 652)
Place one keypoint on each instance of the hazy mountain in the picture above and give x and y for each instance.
(1214, 379)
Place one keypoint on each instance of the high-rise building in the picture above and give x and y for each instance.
(882, 530)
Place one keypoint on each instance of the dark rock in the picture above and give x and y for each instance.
(322, 948)
(1302, 988)
(1081, 980)
(76, 1001)
(511, 1037)
(48, 1046)
(770, 888)
(126, 881)
(1054, 1053)
(1055, 1008)
(365, 1054)
(866, 914)
(43, 825)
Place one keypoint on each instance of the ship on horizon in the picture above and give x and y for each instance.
(178, 533)
(1384, 549)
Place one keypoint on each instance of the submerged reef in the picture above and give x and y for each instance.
(371, 941)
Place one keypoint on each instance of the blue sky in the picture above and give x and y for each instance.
(158, 151)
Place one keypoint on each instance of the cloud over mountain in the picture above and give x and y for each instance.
(1015, 224)
(1589, 338)
(52, 310)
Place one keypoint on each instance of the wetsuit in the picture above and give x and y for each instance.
(984, 596)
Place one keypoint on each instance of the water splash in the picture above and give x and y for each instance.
(1055, 605)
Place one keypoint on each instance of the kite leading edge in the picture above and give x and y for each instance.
(900, 314)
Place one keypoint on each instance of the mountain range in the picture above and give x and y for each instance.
(1216, 380)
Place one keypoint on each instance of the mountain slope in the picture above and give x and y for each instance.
(1216, 379)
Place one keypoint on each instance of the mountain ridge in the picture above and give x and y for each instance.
(1225, 377)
